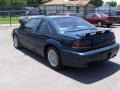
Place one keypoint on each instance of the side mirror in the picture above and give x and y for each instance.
(22, 23)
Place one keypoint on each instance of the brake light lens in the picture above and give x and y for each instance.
(82, 45)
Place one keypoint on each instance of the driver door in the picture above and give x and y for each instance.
(28, 33)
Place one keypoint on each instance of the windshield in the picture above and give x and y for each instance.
(71, 24)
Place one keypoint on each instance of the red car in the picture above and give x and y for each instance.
(100, 19)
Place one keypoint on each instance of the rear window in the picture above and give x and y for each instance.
(71, 24)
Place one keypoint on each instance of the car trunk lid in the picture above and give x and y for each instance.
(97, 39)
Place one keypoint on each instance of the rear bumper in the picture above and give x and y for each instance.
(76, 59)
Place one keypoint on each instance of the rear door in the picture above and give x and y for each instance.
(43, 34)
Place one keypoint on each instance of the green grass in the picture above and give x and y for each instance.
(6, 20)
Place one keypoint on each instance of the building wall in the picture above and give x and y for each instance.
(79, 10)
(90, 9)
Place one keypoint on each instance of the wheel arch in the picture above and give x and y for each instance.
(52, 43)
(99, 21)
(15, 32)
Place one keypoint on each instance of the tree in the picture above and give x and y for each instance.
(36, 1)
(13, 2)
(22, 2)
(4, 2)
(19, 2)
(118, 5)
(112, 3)
(97, 3)
(42, 1)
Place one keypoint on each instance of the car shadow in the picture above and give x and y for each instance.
(110, 27)
(107, 27)
(87, 75)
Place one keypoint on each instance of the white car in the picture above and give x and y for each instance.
(31, 14)
(24, 19)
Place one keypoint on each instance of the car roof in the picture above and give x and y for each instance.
(51, 16)
(56, 16)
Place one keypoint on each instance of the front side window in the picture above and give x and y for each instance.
(44, 28)
(33, 24)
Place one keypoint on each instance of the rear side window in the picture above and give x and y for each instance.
(33, 24)
(44, 28)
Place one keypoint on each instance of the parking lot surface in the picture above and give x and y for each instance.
(25, 70)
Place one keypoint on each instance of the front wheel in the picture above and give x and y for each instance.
(54, 59)
(99, 24)
(16, 42)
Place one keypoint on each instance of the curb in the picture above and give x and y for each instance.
(8, 25)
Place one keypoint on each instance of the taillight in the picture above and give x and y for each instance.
(82, 45)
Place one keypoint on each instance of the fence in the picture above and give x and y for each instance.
(10, 14)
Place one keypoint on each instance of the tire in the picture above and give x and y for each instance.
(104, 61)
(99, 24)
(108, 26)
(54, 59)
(16, 42)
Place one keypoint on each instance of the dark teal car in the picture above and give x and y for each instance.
(66, 40)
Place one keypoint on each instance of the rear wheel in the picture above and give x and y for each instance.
(54, 59)
(103, 61)
(108, 25)
(99, 24)
(16, 42)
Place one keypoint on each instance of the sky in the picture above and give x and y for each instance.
(113, 0)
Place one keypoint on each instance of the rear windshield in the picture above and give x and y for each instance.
(71, 24)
